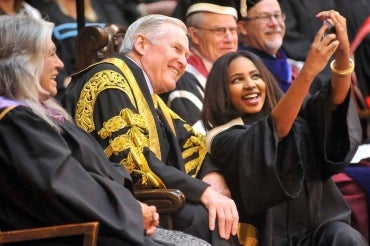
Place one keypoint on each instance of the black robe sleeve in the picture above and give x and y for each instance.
(336, 133)
(47, 178)
(263, 171)
(251, 155)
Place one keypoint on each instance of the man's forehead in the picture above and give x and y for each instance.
(252, 3)
(212, 18)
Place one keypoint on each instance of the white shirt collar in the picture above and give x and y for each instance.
(147, 80)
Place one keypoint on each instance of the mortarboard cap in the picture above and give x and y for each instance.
(225, 7)
(251, 3)
(243, 5)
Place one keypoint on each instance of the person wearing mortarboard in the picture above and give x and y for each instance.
(212, 30)
(261, 32)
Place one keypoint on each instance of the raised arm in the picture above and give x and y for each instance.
(321, 51)
(342, 66)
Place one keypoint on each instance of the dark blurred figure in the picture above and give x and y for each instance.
(133, 9)
(180, 10)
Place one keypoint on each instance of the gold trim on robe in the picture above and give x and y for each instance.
(140, 125)
(142, 131)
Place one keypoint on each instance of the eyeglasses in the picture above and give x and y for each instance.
(266, 18)
(220, 30)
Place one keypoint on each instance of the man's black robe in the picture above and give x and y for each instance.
(111, 100)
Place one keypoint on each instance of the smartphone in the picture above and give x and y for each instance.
(330, 28)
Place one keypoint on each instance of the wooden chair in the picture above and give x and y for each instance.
(89, 41)
(167, 201)
(89, 231)
(93, 44)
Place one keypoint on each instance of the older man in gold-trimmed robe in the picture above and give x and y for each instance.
(116, 101)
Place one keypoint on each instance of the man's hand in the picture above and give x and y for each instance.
(223, 209)
(150, 218)
(217, 181)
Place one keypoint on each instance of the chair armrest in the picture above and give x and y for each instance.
(89, 230)
(166, 200)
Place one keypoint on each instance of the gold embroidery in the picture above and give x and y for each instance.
(129, 164)
(136, 154)
(188, 127)
(99, 82)
(141, 104)
(116, 123)
(140, 126)
(118, 144)
(112, 125)
(194, 146)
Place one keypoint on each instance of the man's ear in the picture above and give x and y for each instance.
(194, 35)
(242, 29)
(139, 44)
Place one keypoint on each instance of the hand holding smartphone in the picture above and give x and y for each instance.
(330, 28)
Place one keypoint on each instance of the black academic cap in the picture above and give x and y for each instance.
(225, 7)
(243, 5)
(251, 3)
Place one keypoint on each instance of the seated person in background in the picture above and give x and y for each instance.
(63, 14)
(116, 102)
(213, 32)
(277, 152)
(262, 31)
(139, 8)
(180, 9)
(300, 28)
(51, 171)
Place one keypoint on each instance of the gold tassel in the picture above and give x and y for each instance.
(247, 235)
(243, 8)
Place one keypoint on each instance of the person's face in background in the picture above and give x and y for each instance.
(247, 89)
(264, 28)
(52, 65)
(214, 36)
(165, 60)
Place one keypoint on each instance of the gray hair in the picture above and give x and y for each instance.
(195, 19)
(23, 43)
(151, 27)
